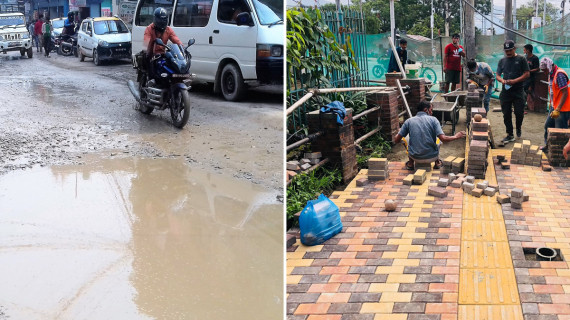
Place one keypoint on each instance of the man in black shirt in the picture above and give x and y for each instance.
(533, 65)
(402, 55)
(512, 72)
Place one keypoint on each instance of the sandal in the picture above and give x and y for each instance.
(437, 164)
(409, 166)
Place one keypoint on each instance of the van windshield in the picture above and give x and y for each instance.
(110, 26)
(270, 12)
(11, 20)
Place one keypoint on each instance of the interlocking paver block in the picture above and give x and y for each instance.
(437, 192)
(477, 192)
(409, 179)
(483, 185)
(361, 182)
(468, 187)
(490, 191)
(442, 182)
(505, 165)
(313, 155)
(456, 183)
(517, 193)
(503, 198)
(470, 179)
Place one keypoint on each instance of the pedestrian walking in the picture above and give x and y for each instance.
(452, 62)
(484, 77)
(46, 31)
(32, 32)
(511, 72)
(38, 33)
(532, 61)
(559, 102)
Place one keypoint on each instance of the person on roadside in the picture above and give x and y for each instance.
(32, 32)
(566, 150)
(38, 32)
(46, 32)
(423, 130)
(402, 56)
(483, 76)
(512, 71)
(528, 84)
(559, 101)
(452, 63)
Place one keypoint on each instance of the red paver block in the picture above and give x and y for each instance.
(477, 192)
(312, 308)
(558, 308)
(506, 164)
(437, 192)
(441, 308)
(361, 182)
(503, 198)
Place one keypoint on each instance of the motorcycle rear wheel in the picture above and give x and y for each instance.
(180, 108)
(141, 107)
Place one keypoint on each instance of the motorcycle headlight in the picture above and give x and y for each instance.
(103, 43)
(25, 36)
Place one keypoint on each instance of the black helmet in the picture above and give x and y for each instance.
(70, 16)
(160, 19)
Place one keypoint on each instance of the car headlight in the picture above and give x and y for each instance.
(25, 36)
(266, 50)
(103, 43)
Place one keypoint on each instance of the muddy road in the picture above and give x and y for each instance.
(106, 213)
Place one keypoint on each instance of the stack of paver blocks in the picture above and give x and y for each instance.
(296, 166)
(446, 166)
(517, 198)
(458, 165)
(480, 111)
(472, 100)
(420, 176)
(526, 154)
(478, 146)
(557, 139)
(422, 166)
(378, 169)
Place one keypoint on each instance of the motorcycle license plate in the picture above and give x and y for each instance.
(121, 49)
(14, 44)
(182, 75)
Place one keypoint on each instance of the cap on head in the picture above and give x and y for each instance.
(509, 45)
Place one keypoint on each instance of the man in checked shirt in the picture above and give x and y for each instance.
(559, 102)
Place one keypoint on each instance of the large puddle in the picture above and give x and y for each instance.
(138, 239)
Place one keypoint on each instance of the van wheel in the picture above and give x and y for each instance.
(30, 53)
(22, 52)
(232, 83)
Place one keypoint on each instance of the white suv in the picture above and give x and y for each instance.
(105, 38)
(14, 35)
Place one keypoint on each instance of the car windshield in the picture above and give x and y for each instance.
(269, 11)
(11, 20)
(57, 24)
(110, 26)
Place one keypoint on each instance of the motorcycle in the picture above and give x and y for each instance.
(68, 43)
(168, 86)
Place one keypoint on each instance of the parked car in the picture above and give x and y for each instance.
(14, 35)
(57, 25)
(238, 42)
(104, 38)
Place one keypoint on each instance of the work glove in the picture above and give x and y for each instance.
(486, 88)
(555, 114)
(473, 82)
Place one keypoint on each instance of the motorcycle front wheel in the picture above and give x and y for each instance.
(180, 108)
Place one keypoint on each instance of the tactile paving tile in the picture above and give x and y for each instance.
(488, 286)
(482, 254)
(483, 230)
(490, 312)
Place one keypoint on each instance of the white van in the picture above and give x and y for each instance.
(229, 52)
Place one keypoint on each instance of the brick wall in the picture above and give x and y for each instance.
(337, 142)
(388, 113)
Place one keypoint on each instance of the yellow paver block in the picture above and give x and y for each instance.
(396, 297)
(402, 278)
(483, 254)
(379, 307)
(384, 287)
(303, 248)
(390, 270)
(395, 254)
(299, 262)
(483, 208)
(394, 316)
(488, 286)
(483, 230)
(293, 279)
(489, 312)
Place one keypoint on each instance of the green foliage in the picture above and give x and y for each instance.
(312, 49)
(305, 187)
(527, 11)
(373, 147)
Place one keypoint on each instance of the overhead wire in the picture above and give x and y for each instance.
(515, 32)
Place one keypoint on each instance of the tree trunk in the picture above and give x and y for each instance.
(470, 50)
(509, 20)
(447, 18)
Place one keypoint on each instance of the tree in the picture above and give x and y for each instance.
(526, 12)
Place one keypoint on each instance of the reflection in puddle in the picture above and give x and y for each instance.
(138, 239)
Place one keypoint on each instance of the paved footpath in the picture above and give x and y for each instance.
(458, 257)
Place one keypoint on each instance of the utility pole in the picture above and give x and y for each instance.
(469, 31)
(509, 19)
(431, 17)
(516, 25)
(536, 14)
(544, 14)
(392, 21)
(447, 18)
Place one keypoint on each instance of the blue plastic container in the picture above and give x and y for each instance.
(319, 221)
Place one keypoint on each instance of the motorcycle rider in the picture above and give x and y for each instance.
(69, 25)
(158, 29)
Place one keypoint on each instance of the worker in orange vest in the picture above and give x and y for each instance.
(559, 100)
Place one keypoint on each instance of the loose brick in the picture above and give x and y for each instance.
(468, 187)
(313, 155)
(437, 192)
(477, 192)
(442, 182)
(470, 179)
(305, 166)
(546, 168)
(456, 183)
(503, 198)
(490, 191)
(517, 193)
(483, 185)
(506, 165)
(409, 180)
(361, 182)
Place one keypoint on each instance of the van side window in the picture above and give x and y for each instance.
(84, 27)
(192, 13)
(145, 14)
(229, 9)
(89, 26)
